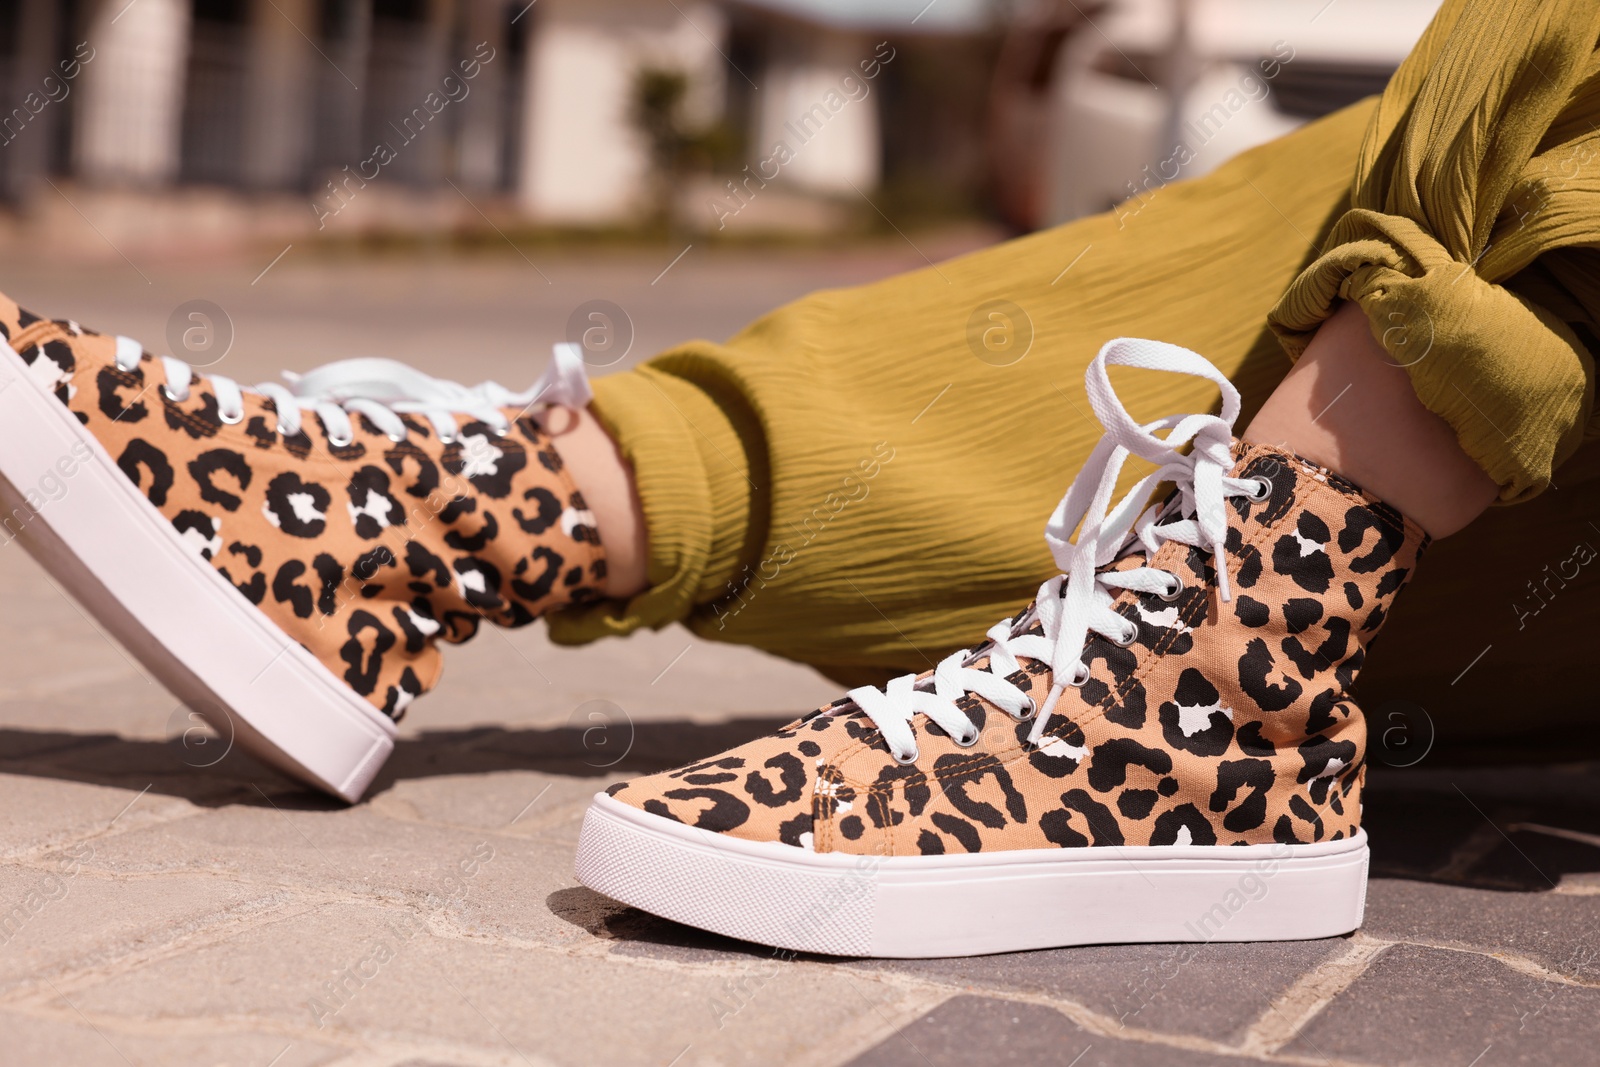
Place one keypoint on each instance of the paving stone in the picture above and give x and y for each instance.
(1557, 931)
(58, 918)
(560, 750)
(1415, 833)
(520, 677)
(636, 933)
(21, 750)
(402, 984)
(1565, 784)
(1471, 825)
(297, 894)
(108, 698)
(479, 881)
(1423, 1006)
(970, 1030)
(62, 671)
(39, 813)
(505, 802)
(1213, 990)
(71, 1040)
(1536, 861)
(160, 767)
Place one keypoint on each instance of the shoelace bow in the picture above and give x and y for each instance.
(381, 389)
(1077, 603)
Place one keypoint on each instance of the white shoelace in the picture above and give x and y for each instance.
(1077, 603)
(382, 390)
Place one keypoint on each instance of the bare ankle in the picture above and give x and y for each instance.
(606, 481)
(1349, 407)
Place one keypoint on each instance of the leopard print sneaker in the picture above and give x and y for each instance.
(1161, 747)
(286, 559)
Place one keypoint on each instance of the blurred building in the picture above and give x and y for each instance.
(157, 118)
(528, 104)
(1101, 104)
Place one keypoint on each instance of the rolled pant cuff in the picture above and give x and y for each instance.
(1510, 378)
(665, 427)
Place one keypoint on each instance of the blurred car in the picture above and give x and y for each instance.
(1094, 104)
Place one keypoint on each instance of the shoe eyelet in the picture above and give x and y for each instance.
(340, 442)
(1266, 491)
(1080, 674)
(1127, 638)
(173, 398)
(230, 420)
(501, 431)
(396, 438)
(1177, 589)
(905, 761)
(1029, 710)
(970, 740)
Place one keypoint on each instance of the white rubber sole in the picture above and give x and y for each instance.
(968, 905)
(69, 505)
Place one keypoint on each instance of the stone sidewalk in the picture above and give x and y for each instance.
(162, 902)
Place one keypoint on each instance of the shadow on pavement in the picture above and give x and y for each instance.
(237, 778)
(1519, 828)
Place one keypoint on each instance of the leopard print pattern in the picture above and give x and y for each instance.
(1221, 724)
(367, 553)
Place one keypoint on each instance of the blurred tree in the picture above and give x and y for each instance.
(677, 149)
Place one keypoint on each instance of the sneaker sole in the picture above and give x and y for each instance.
(968, 905)
(125, 563)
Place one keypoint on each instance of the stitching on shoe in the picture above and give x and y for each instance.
(1016, 753)
(37, 333)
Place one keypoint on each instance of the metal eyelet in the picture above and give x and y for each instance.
(970, 740)
(907, 760)
(501, 431)
(1080, 675)
(1128, 637)
(166, 391)
(1177, 589)
(1266, 491)
(396, 438)
(230, 421)
(340, 442)
(1029, 710)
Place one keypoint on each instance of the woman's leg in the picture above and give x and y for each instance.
(608, 488)
(1347, 406)
(859, 481)
(1188, 682)
(753, 456)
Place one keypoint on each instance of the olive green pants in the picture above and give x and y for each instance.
(859, 480)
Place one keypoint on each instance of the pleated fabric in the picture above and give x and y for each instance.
(859, 480)
(1481, 158)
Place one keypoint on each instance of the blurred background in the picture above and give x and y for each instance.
(141, 128)
(254, 185)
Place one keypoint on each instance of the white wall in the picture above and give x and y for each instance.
(277, 120)
(129, 118)
(805, 105)
(581, 161)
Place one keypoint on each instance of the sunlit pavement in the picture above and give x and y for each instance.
(157, 909)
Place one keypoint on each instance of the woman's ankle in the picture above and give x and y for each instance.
(1347, 406)
(606, 481)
